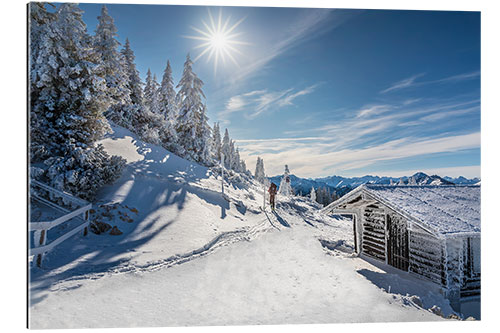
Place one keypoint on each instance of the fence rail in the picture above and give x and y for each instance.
(42, 228)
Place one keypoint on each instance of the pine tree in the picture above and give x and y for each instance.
(112, 60)
(69, 102)
(226, 149)
(148, 123)
(285, 185)
(216, 143)
(150, 99)
(167, 100)
(168, 106)
(134, 82)
(113, 63)
(192, 127)
(313, 194)
(237, 161)
(260, 174)
(42, 49)
(243, 166)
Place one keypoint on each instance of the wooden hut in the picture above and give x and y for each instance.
(433, 232)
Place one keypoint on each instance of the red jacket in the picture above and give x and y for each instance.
(273, 189)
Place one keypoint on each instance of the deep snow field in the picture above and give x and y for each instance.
(187, 256)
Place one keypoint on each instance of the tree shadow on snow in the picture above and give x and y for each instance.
(102, 251)
(160, 180)
(281, 220)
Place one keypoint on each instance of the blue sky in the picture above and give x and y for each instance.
(345, 92)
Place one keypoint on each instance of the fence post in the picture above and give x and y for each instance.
(41, 241)
(86, 218)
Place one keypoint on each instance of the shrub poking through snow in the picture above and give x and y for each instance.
(98, 227)
(115, 231)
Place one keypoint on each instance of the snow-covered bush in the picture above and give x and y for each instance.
(83, 171)
(148, 125)
(150, 134)
(36, 172)
(122, 115)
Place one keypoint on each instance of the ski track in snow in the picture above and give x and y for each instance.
(224, 239)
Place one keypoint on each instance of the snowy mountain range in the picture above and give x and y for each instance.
(342, 185)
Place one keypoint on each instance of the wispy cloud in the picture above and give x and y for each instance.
(258, 101)
(373, 109)
(408, 82)
(411, 81)
(289, 99)
(459, 77)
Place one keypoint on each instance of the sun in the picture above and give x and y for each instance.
(218, 40)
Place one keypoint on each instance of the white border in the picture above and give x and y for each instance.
(13, 152)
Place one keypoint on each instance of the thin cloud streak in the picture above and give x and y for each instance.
(410, 82)
(403, 83)
(262, 100)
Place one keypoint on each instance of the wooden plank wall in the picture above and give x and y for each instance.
(471, 285)
(427, 256)
(373, 240)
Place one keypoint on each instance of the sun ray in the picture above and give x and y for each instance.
(202, 45)
(201, 54)
(218, 40)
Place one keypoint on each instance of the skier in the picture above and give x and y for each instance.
(273, 189)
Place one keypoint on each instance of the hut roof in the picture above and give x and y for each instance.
(447, 210)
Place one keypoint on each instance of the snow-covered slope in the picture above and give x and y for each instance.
(187, 256)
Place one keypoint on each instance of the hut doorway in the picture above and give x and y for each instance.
(397, 243)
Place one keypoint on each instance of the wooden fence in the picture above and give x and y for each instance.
(73, 208)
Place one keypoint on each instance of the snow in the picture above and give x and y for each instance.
(449, 210)
(187, 256)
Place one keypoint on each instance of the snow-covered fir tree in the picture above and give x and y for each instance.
(285, 184)
(232, 155)
(237, 160)
(42, 48)
(168, 106)
(151, 95)
(134, 82)
(226, 149)
(68, 106)
(193, 131)
(148, 122)
(260, 173)
(243, 166)
(216, 143)
(112, 61)
(313, 194)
